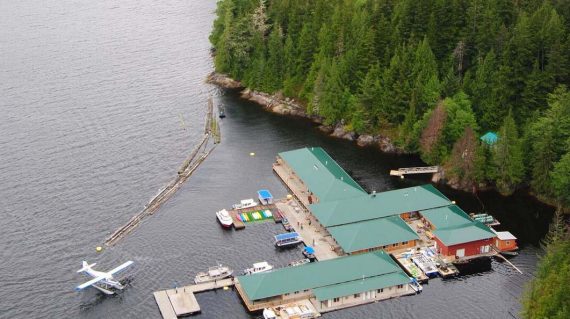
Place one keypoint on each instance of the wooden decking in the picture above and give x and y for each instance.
(414, 170)
(174, 303)
(234, 213)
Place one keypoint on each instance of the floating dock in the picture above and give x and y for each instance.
(239, 223)
(414, 170)
(411, 269)
(178, 302)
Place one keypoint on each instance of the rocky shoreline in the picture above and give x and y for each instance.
(276, 103)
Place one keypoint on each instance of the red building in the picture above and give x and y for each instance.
(457, 235)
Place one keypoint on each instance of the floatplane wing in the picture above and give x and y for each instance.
(121, 267)
(89, 283)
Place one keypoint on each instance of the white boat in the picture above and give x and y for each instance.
(214, 273)
(268, 313)
(258, 267)
(245, 203)
(224, 218)
(287, 239)
(291, 311)
(299, 262)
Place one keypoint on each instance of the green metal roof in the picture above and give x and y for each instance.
(383, 204)
(317, 274)
(372, 233)
(321, 174)
(463, 233)
(453, 226)
(450, 216)
(358, 286)
(490, 138)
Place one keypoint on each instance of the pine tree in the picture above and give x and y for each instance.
(508, 157)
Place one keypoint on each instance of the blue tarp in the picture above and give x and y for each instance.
(286, 236)
(264, 194)
(490, 138)
(309, 250)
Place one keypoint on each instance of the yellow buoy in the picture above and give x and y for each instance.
(289, 196)
(99, 249)
(453, 202)
(402, 176)
(252, 154)
(226, 288)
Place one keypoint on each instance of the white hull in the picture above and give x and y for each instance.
(224, 218)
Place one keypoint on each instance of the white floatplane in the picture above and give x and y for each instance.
(102, 281)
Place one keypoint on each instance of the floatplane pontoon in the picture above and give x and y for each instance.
(102, 281)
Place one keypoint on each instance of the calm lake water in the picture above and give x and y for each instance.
(101, 101)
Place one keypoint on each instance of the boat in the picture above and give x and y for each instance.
(299, 262)
(287, 239)
(245, 203)
(415, 285)
(214, 273)
(309, 252)
(224, 218)
(297, 310)
(286, 224)
(221, 112)
(258, 267)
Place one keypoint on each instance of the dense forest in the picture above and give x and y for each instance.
(433, 75)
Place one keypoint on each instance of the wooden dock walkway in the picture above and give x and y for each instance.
(181, 301)
(414, 170)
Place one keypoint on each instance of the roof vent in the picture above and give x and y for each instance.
(405, 194)
(341, 178)
(316, 167)
(326, 162)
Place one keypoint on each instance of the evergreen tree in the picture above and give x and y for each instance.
(508, 157)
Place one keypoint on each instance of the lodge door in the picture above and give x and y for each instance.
(460, 252)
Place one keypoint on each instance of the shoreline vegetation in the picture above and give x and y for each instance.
(279, 104)
(479, 88)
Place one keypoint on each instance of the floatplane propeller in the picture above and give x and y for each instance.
(102, 281)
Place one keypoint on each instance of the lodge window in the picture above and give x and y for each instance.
(356, 295)
(508, 242)
(400, 286)
(395, 245)
(296, 292)
(404, 242)
(305, 290)
(385, 246)
(380, 290)
(287, 294)
(336, 299)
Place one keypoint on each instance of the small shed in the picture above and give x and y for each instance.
(490, 138)
(265, 197)
(506, 241)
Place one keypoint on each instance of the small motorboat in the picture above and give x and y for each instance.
(224, 218)
(309, 252)
(287, 239)
(286, 224)
(299, 262)
(258, 267)
(221, 112)
(245, 203)
(214, 273)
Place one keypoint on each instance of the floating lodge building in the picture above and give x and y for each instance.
(366, 228)
(331, 284)
(360, 222)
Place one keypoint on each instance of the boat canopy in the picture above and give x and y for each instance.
(286, 236)
(309, 250)
(264, 194)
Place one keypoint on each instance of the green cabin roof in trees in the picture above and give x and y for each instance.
(490, 138)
